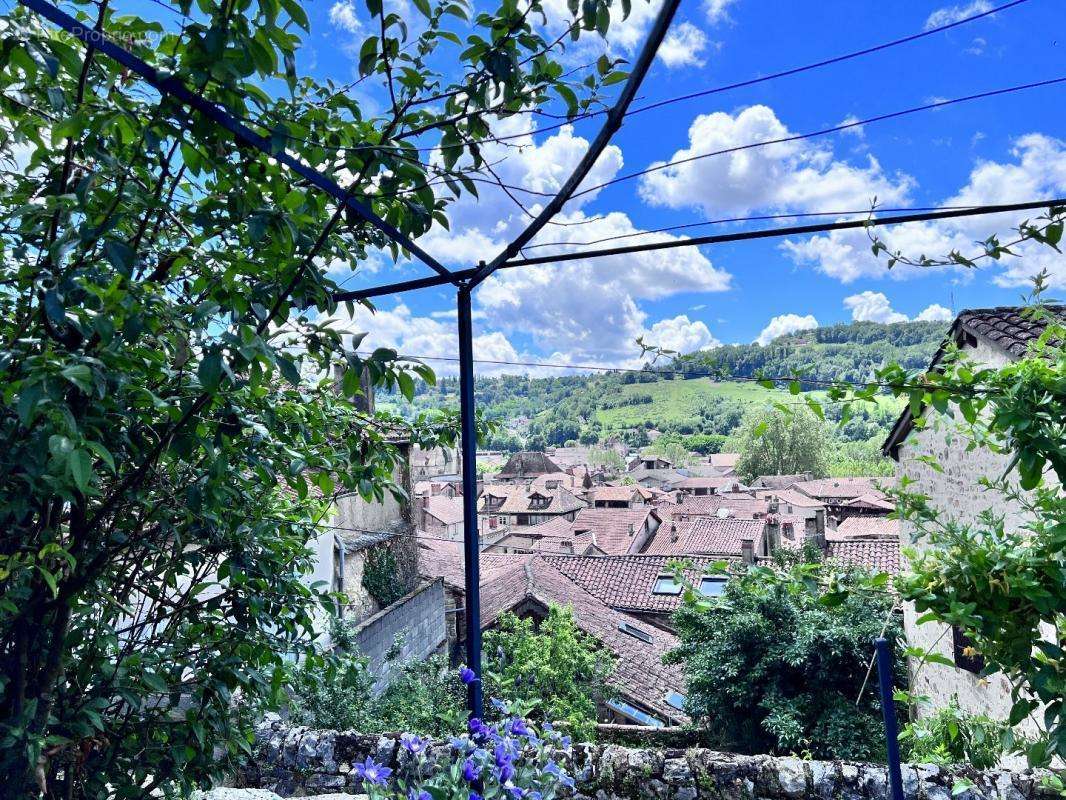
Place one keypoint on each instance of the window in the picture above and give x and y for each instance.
(666, 584)
(675, 699)
(712, 585)
(634, 714)
(960, 642)
(635, 632)
(539, 501)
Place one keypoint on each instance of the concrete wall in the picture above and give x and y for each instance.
(298, 761)
(418, 618)
(956, 493)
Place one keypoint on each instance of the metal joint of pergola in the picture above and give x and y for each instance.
(466, 280)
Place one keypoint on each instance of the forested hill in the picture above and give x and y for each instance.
(840, 352)
(676, 397)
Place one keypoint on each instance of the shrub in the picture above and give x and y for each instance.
(555, 673)
(335, 691)
(775, 664)
(950, 736)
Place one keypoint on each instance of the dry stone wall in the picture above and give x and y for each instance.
(294, 761)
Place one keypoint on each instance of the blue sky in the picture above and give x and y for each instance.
(1004, 149)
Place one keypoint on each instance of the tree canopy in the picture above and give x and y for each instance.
(170, 449)
(775, 441)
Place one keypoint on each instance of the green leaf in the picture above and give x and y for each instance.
(210, 370)
(80, 375)
(80, 465)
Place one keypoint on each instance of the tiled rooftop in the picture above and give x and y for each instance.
(1008, 327)
(625, 582)
(706, 536)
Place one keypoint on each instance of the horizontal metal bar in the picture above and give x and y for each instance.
(403, 286)
(770, 233)
(174, 87)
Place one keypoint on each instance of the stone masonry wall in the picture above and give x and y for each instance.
(417, 618)
(295, 761)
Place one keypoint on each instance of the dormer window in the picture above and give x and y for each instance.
(539, 501)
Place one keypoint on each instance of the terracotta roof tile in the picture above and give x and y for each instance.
(449, 510)
(625, 582)
(639, 675)
(865, 526)
(839, 487)
(610, 528)
(528, 464)
(706, 536)
(876, 554)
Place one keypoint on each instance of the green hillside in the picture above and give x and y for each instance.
(676, 398)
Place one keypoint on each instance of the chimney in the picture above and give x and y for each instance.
(747, 551)
(632, 530)
(816, 533)
(419, 508)
(773, 505)
(673, 532)
(363, 402)
(680, 495)
(773, 534)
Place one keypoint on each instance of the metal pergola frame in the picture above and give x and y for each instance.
(466, 280)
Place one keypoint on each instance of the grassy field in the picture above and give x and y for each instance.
(679, 401)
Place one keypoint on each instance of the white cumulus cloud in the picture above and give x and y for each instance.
(680, 334)
(717, 10)
(342, 15)
(799, 175)
(683, 46)
(784, 324)
(872, 307)
(935, 313)
(949, 14)
(875, 307)
(1036, 168)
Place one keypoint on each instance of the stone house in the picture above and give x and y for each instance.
(439, 515)
(990, 337)
(430, 463)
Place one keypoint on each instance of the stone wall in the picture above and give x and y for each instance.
(297, 761)
(953, 488)
(417, 619)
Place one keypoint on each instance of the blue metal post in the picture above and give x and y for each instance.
(471, 549)
(888, 709)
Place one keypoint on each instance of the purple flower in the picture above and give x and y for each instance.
(413, 743)
(467, 675)
(460, 743)
(372, 772)
(502, 755)
(505, 772)
(518, 727)
(423, 795)
(475, 796)
(471, 771)
(516, 791)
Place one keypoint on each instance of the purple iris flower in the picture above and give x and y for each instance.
(372, 772)
(471, 771)
(502, 755)
(505, 772)
(467, 675)
(413, 743)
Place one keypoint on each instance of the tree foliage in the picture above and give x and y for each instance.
(165, 301)
(777, 663)
(775, 441)
(1004, 584)
(552, 672)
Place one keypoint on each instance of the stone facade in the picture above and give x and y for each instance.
(954, 490)
(298, 762)
(415, 623)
